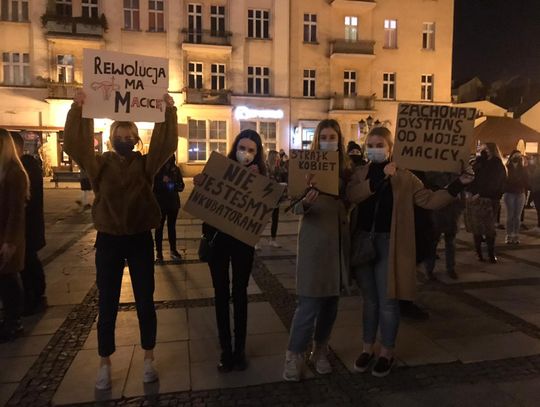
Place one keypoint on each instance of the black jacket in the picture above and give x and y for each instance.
(35, 223)
(490, 178)
(167, 192)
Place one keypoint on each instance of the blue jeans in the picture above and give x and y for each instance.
(514, 206)
(312, 314)
(379, 310)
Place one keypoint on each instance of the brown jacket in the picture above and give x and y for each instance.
(124, 202)
(12, 215)
(407, 191)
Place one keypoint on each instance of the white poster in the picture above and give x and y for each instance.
(124, 87)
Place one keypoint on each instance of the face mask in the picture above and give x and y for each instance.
(376, 155)
(484, 154)
(328, 145)
(123, 147)
(244, 157)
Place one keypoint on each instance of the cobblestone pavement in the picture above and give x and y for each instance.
(480, 347)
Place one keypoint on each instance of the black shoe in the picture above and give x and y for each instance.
(239, 361)
(175, 255)
(361, 364)
(226, 363)
(383, 367)
(409, 309)
(493, 259)
(159, 258)
(452, 274)
(10, 331)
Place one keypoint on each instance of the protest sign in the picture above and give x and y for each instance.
(234, 199)
(125, 87)
(322, 166)
(433, 137)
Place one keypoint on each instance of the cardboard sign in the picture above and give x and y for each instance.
(323, 165)
(124, 87)
(234, 199)
(433, 137)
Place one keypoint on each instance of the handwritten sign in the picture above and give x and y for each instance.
(433, 137)
(322, 165)
(234, 199)
(126, 87)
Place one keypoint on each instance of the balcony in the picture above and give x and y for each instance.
(207, 97)
(352, 103)
(357, 6)
(57, 26)
(59, 90)
(206, 40)
(363, 48)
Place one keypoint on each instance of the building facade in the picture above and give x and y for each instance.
(276, 66)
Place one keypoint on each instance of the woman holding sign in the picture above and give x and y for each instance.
(247, 150)
(386, 196)
(322, 267)
(124, 213)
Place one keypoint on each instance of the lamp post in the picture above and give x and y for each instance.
(365, 126)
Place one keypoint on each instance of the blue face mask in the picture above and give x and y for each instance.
(376, 155)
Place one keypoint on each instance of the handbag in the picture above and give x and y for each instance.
(206, 247)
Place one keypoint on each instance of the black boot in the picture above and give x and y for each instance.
(478, 247)
(226, 362)
(490, 240)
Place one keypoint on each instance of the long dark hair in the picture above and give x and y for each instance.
(252, 135)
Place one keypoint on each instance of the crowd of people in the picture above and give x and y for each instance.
(363, 231)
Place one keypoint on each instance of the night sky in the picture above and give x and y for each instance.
(496, 39)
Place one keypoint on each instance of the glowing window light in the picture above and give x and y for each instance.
(245, 113)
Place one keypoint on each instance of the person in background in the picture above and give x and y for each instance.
(514, 195)
(488, 186)
(33, 276)
(86, 189)
(125, 211)
(322, 267)
(277, 173)
(229, 252)
(534, 184)
(392, 275)
(14, 192)
(356, 155)
(168, 183)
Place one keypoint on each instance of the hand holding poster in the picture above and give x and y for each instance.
(125, 87)
(234, 199)
(433, 137)
(322, 166)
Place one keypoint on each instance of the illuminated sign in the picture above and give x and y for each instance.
(245, 113)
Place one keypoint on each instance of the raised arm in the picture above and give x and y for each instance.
(164, 140)
(359, 188)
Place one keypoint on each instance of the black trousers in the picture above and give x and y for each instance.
(111, 254)
(536, 199)
(275, 221)
(240, 256)
(33, 279)
(170, 214)
(12, 296)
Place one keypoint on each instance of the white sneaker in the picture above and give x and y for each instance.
(150, 374)
(293, 367)
(103, 381)
(275, 244)
(319, 357)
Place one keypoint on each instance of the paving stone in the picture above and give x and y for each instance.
(14, 369)
(24, 346)
(47, 322)
(6, 391)
(413, 348)
(441, 328)
(525, 392)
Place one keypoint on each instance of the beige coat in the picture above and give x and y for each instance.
(12, 215)
(322, 265)
(407, 191)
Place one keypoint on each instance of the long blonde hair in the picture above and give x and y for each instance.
(9, 156)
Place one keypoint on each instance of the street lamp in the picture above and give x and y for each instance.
(365, 126)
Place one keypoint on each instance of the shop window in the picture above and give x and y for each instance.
(205, 136)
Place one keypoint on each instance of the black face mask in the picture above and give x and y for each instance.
(484, 155)
(123, 147)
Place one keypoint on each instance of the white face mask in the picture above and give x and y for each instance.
(244, 157)
(328, 145)
(376, 155)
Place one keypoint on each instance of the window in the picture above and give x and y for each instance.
(155, 16)
(267, 131)
(217, 21)
(351, 28)
(259, 24)
(390, 33)
(309, 83)
(428, 36)
(427, 88)
(206, 136)
(16, 68)
(389, 85)
(258, 80)
(349, 83)
(218, 76)
(194, 23)
(17, 12)
(310, 27)
(64, 68)
(63, 8)
(90, 8)
(131, 15)
(195, 75)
